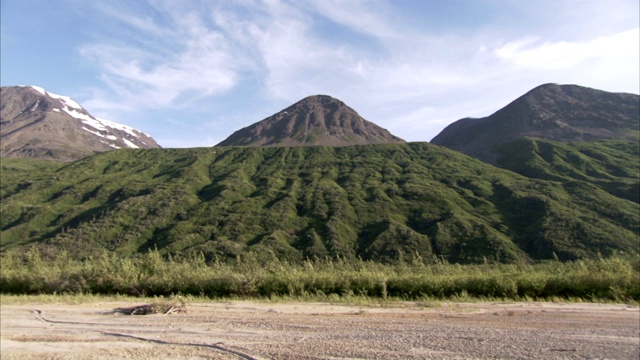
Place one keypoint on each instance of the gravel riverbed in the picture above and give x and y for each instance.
(266, 330)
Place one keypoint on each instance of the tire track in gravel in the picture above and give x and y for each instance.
(217, 346)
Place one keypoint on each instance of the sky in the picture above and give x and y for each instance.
(190, 73)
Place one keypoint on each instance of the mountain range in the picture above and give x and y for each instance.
(38, 124)
(554, 174)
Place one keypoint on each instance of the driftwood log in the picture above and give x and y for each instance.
(154, 308)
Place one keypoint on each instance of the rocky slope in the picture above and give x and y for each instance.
(318, 120)
(566, 113)
(38, 124)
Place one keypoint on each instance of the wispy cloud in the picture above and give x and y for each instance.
(365, 16)
(195, 59)
(405, 76)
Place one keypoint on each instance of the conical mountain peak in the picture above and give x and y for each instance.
(318, 120)
(324, 101)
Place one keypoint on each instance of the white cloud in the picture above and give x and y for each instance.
(530, 53)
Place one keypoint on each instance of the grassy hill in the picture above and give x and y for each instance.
(386, 203)
(611, 165)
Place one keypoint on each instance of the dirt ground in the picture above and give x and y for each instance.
(264, 330)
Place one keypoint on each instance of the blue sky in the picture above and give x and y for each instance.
(190, 73)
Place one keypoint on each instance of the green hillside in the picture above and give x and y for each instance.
(612, 165)
(382, 202)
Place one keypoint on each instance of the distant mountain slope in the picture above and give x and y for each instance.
(562, 133)
(566, 113)
(612, 165)
(315, 120)
(36, 123)
(388, 202)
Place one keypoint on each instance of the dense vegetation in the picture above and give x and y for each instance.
(611, 165)
(388, 203)
(263, 275)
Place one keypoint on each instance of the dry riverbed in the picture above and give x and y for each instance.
(273, 330)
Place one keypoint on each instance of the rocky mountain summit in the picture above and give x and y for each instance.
(318, 120)
(566, 113)
(38, 124)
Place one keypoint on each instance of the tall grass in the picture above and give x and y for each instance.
(607, 279)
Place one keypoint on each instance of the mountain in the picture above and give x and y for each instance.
(318, 120)
(564, 113)
(381, 202)
(562, 133)
(36, 123)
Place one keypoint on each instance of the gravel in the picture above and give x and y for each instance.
(264, 330)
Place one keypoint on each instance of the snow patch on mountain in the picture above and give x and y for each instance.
(39, 124)
(39, 89)
(110, 144)
(99, 126)
(129, 130)
(109, 137)
(67, 101)
(78, 115)
(35, 106)
(130, 144)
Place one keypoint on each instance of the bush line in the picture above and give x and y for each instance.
(606, 279)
